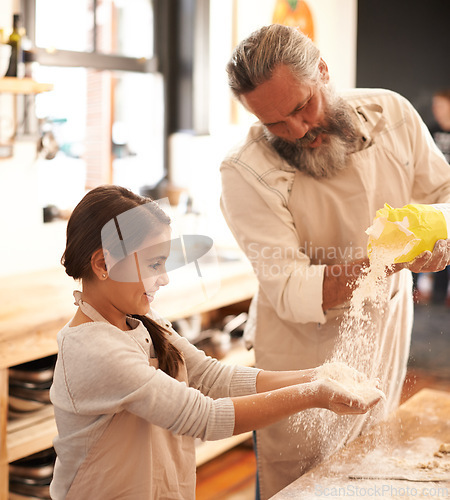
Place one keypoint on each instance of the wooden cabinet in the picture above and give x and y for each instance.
(35, 306)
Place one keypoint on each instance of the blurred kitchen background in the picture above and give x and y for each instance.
(140, 98)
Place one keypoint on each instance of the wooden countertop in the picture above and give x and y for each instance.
(35, 306)
(388, 459)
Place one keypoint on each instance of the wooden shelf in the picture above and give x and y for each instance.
(11, 85)
(31, 434)
(206, 451)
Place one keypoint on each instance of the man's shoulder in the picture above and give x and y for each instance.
(387, 99)
(397, 111)
(370, 96)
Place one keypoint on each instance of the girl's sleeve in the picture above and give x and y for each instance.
(212, 377)
(107, 373)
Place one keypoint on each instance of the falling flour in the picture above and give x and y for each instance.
(355, 350)
(357, 332)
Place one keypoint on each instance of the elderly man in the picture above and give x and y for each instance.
(298, 195)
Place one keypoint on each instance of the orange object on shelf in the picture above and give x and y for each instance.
(294, 13)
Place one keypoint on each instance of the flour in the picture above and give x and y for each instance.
(444, 448)
(357, 332)
(355, 349)
(414, 462)
(344, 379)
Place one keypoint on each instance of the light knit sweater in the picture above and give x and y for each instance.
(102, 370)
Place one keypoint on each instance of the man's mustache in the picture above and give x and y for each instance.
(310, 136)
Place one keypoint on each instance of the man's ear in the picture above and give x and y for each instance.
(98, 264)
(323, 70)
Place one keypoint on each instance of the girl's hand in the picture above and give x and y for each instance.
(335, 397)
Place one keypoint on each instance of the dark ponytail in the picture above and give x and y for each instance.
(83, 238)
(169, 357)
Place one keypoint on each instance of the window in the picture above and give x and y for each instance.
(106, 111)
(119, 27)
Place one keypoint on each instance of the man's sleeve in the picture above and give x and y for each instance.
(263, 227)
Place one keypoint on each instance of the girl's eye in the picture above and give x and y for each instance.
(156, 266)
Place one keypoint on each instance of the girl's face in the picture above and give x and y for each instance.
(135, 280)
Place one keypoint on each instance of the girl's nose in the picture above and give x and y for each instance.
(163, 278)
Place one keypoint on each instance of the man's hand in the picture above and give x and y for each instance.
(429, 262)
(339, 281)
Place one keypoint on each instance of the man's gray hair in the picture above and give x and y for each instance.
(255, 58)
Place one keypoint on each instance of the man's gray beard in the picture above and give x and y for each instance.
(330, 157)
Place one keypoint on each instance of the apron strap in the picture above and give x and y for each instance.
(87, 308)
(379, 125)
(91, 313)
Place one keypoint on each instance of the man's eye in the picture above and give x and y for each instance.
(298, 110)
(307, 103)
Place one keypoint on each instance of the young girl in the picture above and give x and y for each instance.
(130, 395)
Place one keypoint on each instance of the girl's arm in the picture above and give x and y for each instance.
(95, 376)
(210, 376)
(268, 380)
(260, 410)
(217, 380)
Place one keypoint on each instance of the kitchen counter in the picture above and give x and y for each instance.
(396, 458)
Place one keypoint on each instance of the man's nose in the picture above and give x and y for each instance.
(297, 127)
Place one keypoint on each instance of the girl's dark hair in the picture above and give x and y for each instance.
(98, 207)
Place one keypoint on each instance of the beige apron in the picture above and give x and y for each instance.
(331, 216)
(135, 460)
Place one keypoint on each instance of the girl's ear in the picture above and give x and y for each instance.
(98, 264)
(323, 69)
